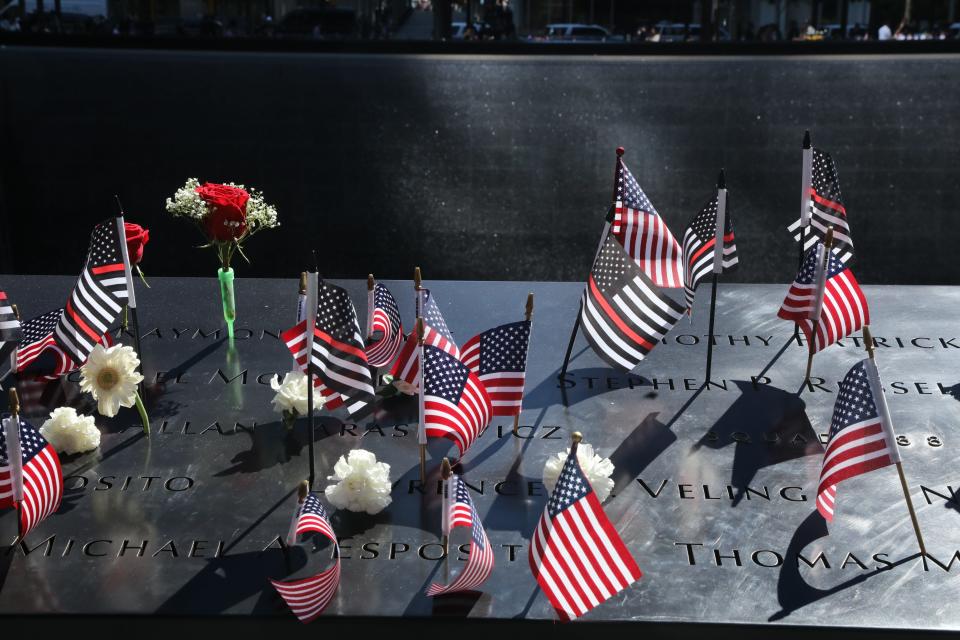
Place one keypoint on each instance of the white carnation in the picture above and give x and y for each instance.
(597, 469)
(291, 394)
(186, 202)
(70, 432)
(362, 483)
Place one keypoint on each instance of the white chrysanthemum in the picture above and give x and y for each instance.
(597, 469)
(70, 432)
(111, 377)
(291, 396)
(186, 202)
(362, 483)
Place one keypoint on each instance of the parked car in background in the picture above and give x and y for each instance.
(572, 32)
(682, 32)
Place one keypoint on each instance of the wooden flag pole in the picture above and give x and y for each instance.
(11, 428)
(422, 430)
(870, 347)
(418, 288)
(603, 238)
(805, 181)
(303, 490)
(576, 438)
(446, 471)
(821, 284)
(527, 316)
(717, 261)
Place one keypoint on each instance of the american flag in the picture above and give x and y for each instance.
(435, 333)
(10, 328)
(307, 598)
(39, 353)
(861, 434)
(828, 305)
(643, 234)
(99, 295)
(462, 513)
(576, 554)
(699, 243)
(826, 208)
(623, 314)
(455, 404)
(386, 329)
(35, 485)
(498, 357)
(338, 359)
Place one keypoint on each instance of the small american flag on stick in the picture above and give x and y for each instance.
(30, 476)
(825, 300)
(386, 331)
(436, 334)
(699, 247)
(455, 404)
(861, 434)
(307, 598)
(643, 233)
(461, 512)
(576, 554)
(498, 357)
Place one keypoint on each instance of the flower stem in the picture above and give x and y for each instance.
(144, 418)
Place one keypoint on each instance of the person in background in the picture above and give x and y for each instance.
(884, 32)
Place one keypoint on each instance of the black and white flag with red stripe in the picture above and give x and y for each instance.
(861, 434)
(623, 314)
(700, 246)
(825, 208)
(10, 329)
(335, 352)
(99, 295)
(307, 598)
(461, 512)
(30, 476)
(576, 555)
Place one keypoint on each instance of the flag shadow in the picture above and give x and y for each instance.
(274, 444)
(793, 592)
(768, 426)
(638, 450)
(580, 385)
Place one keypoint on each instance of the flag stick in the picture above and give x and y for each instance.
(303, 490)
(718, 243)
(603, 238)
(804, 204)
(821, 284)
(422, 430)
(11, 428)
(131, 305)
(868, 344)
(527, 315)
(312, 285)
(576, 437)
(446, 471)
(371, 284)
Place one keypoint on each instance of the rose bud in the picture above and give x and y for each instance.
(137, 236)
(227, 219)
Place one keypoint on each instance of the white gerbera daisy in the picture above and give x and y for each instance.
(596, 468)
(111, 377)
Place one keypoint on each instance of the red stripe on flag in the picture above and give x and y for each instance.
(610, 313)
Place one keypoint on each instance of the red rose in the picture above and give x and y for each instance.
(227, 219)
(137, 236)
